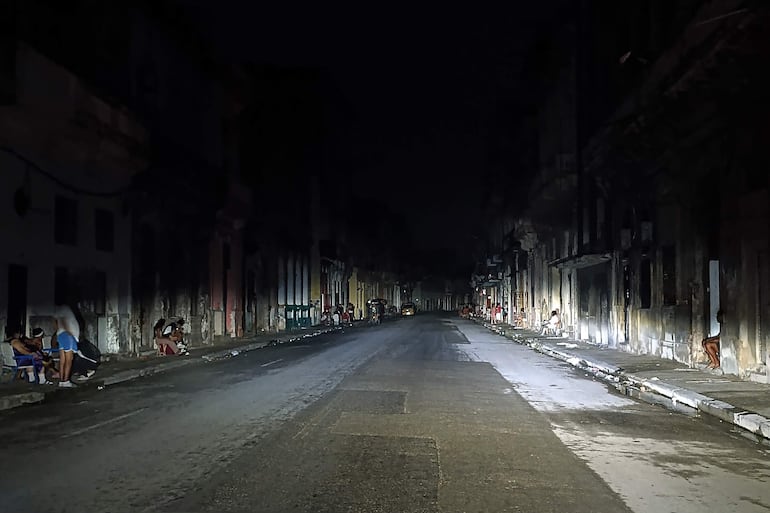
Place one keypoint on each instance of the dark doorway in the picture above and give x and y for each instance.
(626, 302)
(17, 297)
(225, 291)
(251, 306)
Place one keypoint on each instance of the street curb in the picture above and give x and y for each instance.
(649, 390)
(131, 374)
(228, 353)
(16, 400)
(235, 351)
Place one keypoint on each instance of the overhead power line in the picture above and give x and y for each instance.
(61, 183)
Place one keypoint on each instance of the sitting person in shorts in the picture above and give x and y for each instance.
(175, 332)
(553, 325)
(27, 355)
(36, 341)
(169, 338)
(711, 346)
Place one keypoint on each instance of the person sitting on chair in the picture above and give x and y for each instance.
(36, 342)
(711, 346)
(521, 319)
(552, 325)
(175, 332)
(26, 353)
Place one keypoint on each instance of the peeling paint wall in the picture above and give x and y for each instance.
(745, 294)
(85, 261)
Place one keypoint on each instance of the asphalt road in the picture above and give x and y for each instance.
(423, 414)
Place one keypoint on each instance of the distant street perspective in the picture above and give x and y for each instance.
(318, 258)
(429, 413)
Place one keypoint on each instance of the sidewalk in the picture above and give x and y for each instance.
(120, 369)
(660, 381)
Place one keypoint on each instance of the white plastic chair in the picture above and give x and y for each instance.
(47, 349)
(14, 363)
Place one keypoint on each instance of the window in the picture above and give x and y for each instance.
(225, 256)
(669, 275)
(65, 221)
(104, 230)
(645, 283)
(599, 218)
(60, 286)
(97, 293)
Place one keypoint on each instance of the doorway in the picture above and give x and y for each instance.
(225, 289)
(763, 307)
(17, 297)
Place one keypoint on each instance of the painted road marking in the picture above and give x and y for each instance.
(271, 363)
(100, 424)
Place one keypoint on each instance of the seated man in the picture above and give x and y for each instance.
(25, 352)
(166, 346)
(553, 325)
(169, 338)
(48, 362)
(521, 319)
(711, 346)
(175, 331)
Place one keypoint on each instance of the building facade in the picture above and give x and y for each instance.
(654, 217)
(67, 159)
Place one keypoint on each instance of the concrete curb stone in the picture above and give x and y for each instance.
(650, 390)
(13, 401)
(228, 353)
(16, 400)
(132, 374)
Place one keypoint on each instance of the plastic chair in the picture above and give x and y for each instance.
(13, 362)
(52, 351)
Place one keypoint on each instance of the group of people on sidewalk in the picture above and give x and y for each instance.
(339, 316)
(553, 327)
(76, 358)
(169, 338)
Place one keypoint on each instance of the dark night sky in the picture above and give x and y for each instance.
(425, 89)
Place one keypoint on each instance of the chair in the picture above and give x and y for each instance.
(13, 362)
(52, 351)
